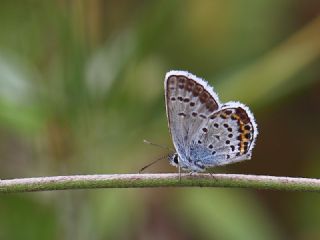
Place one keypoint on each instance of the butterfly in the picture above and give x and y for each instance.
(205, 132)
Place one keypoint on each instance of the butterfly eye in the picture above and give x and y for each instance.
(175, 159)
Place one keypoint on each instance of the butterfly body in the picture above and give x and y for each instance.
(205, 132)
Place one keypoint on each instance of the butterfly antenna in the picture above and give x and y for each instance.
(163, 157)
(157, 145)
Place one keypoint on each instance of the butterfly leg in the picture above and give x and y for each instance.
(212, 175)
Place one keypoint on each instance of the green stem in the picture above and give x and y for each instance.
(158, 180)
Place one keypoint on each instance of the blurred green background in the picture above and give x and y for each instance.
(81, 85)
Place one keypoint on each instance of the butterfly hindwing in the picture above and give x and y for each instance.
(229, 137)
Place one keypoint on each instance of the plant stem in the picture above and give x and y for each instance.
(158, 180)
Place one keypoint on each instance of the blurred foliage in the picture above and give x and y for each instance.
(81, 84)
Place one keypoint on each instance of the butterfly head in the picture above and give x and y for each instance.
(174, 159)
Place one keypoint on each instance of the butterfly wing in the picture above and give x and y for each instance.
(189, 103)
(229, 137)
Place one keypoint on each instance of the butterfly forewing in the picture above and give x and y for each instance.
(188, 106)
